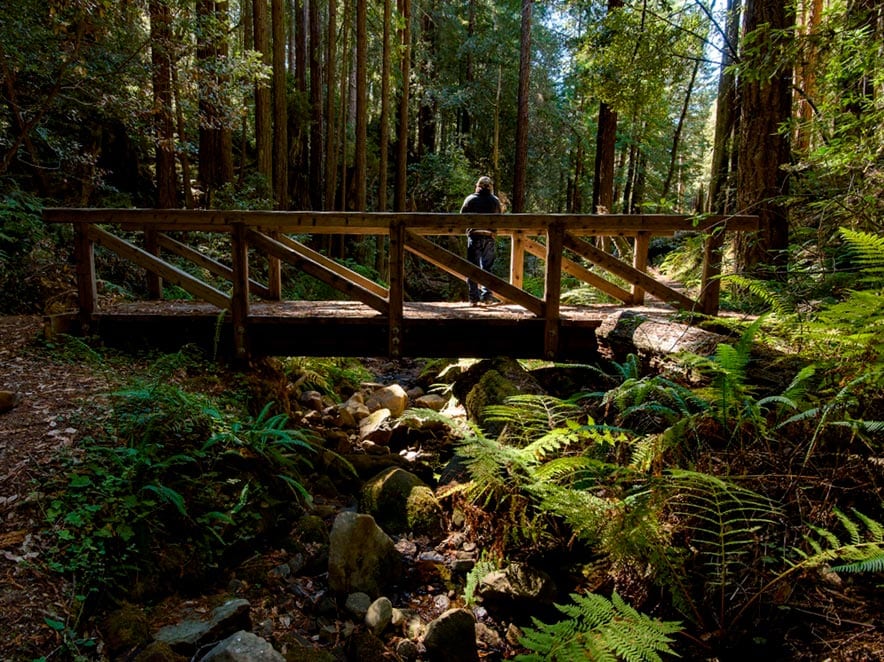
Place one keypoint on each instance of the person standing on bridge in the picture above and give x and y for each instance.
(481, 243)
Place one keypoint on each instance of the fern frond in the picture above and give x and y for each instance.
(529, 415)
(869, 251)
(874, 563)
(599, 629)
(861, 553)
(724, 522)
(761, 289)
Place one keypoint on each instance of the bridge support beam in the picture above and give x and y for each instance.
(239, 300)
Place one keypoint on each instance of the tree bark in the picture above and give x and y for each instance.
(161, 69)
(263, 122)
(764, 148)
(361, 105)
(520, 163)
(280, 108)
(676, 138)
(402, 132)
(316, 152)
(331, 140)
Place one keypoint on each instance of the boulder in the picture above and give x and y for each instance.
(391, 397)
(400, 502)
(243, 646)
(452, 636)
(361, 556)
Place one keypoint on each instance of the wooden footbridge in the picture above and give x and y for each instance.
(239, 316)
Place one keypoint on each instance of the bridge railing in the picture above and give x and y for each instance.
(563, 241)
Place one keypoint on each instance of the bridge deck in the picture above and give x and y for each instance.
(349, 328)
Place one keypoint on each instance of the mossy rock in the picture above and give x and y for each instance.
(400, 502)
(126, 628)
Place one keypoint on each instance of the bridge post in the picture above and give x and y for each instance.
(397, 288)
(710, 285)
(640, 262)
(517, 259)
(555, 243)
(239, 300)
(274, 273)
(152, 246)
(87, 290)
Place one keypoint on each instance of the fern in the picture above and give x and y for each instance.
(862, 551)
(599, 629)
(724, 523)
(869, 251)
(527, 416)
(483, 567)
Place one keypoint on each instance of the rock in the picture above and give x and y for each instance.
(9, 400)
(361, 556)
(432, 401)
(373, 427)
(312, 400)
(491, 382)
(126, 628)
(366, 647)
(243, 646)
(518, 583)
(400, 502)
(186, 636)
(379, 615)
(358, 604)
(391, 397)
(158, 651)
(406, 650)
(452, 636)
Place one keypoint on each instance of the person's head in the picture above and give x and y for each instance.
(484, 183)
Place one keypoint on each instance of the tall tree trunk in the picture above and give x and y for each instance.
(520, 163)
(495, 148)
(361, 105)
(402, 128)
(763, 148)
(605, 151)
(805, 74)
(676, 138)
(299, 122)
(427, 113)
(315, 47)
(726, 113)
(280, 108)
(381, 264)
(331, 141)
(211, 120)
(263, 121)
(183, 158)
(161, 69)
(344, 101)
(606, 142)
(225, 130)
(384, 138)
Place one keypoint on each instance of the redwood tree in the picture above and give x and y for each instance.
(766, 97)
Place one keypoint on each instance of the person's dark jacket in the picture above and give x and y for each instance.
(483, 202)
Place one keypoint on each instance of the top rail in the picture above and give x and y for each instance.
(327, 222)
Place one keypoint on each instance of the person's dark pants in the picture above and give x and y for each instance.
(480, 251)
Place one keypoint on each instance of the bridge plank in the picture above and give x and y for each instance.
(333, 278)
(156, 265)
(458, 266)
